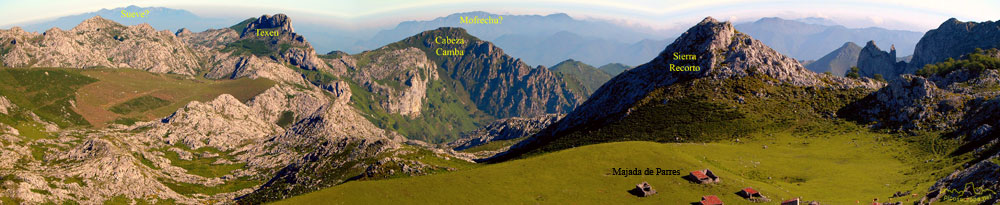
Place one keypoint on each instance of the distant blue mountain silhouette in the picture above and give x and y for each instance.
(159, 17)
(546, 40)
(810, 41)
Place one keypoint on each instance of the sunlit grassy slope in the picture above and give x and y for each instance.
(96, 97)
(841, 168)
(123, 95)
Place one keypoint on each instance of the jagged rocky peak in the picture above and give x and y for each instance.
(501, 85)
(722, 51)
(279, 23)
(872, 61)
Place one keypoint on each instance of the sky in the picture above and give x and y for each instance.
(915, 15)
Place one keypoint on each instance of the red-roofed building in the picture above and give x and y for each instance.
(710, 200)
(750, 193)
(699, 175)
(704, 176)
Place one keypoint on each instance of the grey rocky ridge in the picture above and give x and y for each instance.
(951, 39)
(172, 159)
(98, 42)
(721, 53)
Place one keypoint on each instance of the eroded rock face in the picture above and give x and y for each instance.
(293, 48)
(341, 91)
(401, 76)
(228, 66)
(500, 85)
(224, 123)
(278, 22)
(872, 61)
(98, 42)
(339, 139)
(952, 39)
(224, 51)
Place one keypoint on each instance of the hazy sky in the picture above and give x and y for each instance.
(918, 15)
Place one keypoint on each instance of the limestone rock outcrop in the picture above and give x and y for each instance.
(98, 42)
(873, 61)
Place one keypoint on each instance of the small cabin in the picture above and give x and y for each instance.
(710, 200)
(644, 189)
(704, 176)
(750, 193)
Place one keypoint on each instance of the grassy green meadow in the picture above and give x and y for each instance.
(138, 95)
(836, 168)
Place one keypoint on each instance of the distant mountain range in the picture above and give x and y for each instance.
(546, 40)
(158, 17)
(812, 40)
(536, 39)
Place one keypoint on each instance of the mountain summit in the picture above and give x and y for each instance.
(721, 53)
(278, 22)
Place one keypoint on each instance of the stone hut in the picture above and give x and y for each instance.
(704, 176)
